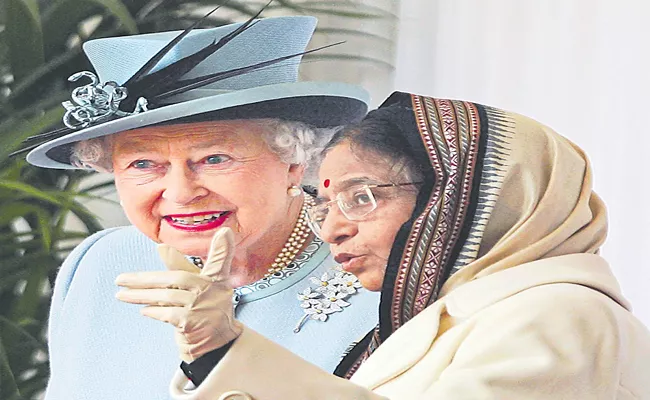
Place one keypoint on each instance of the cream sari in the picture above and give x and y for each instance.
(504, 190)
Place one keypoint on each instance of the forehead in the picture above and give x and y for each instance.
(191, 135)
(342, 165)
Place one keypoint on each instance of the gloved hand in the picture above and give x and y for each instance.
(198, 302)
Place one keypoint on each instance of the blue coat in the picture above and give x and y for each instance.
(101, 348)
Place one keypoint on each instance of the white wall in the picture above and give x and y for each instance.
(579, 66)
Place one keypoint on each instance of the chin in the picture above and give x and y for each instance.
(190, 249)
(371, 283)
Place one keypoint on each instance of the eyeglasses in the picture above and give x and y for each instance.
(355, 204)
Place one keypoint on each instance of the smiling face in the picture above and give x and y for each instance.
(179, 183)
(363, 247)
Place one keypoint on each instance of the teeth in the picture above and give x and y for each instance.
(197, 219)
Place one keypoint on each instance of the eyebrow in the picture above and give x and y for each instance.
(134, 146)
(207, 143)
(361, 180)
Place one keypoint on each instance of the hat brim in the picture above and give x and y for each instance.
(320, 104)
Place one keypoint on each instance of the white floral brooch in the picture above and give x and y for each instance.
(329, 296)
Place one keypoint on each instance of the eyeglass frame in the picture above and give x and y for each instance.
(316, 229)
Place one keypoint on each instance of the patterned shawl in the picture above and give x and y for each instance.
(502, 190)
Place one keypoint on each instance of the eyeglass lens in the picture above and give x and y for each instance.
(354, 203)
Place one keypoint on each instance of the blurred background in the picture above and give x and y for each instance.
(579, 66)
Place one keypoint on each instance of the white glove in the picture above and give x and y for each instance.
(198, 302)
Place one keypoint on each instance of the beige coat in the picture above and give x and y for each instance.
(556, 328)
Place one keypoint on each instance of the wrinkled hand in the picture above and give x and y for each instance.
(198, 302)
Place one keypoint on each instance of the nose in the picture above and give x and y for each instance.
(183, 186)
(336, 229)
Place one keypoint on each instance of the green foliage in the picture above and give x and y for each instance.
(40, 46)
(34, 206)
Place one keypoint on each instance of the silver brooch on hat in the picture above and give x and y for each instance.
(96, 102)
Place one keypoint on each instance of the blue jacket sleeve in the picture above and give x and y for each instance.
(64, 280)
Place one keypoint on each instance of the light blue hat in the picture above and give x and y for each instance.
(252, 69)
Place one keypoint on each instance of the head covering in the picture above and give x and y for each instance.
(502, 190)
(239, 71)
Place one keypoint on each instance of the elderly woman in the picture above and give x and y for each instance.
(481, 229)
(201, 130)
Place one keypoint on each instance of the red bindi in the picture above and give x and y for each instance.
(326, 183)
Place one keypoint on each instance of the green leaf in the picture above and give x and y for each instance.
(27, 304)
(71, 235)
(88, 196)
(44, 225)
(31, 191)
(4, 50)
(24, 37)
(345, 57)
(16, 210)
(61, 20)
(87, 218)
(342, 13)
(14, 236)
(20, 331)
(239, 6)
(352, 32)
(98, 186)
(32, 388)
(64, 18)
(17, 267)
(29, 82)
(119, 11)
(328, 7)
(12, 170)
(8, 386)
(11, 136)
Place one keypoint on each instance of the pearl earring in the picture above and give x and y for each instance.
(294, 191)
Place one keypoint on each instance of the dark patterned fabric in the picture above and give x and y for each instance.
(464, 147)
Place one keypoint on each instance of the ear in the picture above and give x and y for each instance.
(296, 173)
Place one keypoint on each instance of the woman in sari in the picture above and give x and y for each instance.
(482, 232)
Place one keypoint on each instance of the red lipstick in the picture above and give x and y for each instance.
(197, 222)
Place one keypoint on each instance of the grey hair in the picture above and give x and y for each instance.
(293, 142)
(297, 143)
(96, 153)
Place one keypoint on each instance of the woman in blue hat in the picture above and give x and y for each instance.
(201, 129)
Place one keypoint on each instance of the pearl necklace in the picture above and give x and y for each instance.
(291, 248)
(297, 239)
